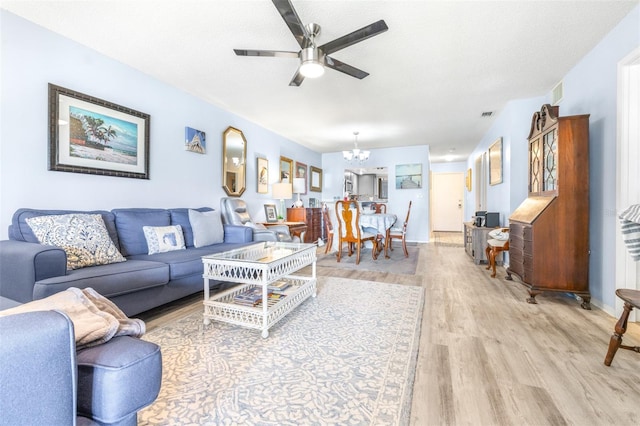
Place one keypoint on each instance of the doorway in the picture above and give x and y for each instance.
(628, 175)
(447, 196)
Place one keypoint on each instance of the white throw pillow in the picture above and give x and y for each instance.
(207, 228)
(83, 237)
(161, 239)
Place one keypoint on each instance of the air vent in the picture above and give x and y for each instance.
(487, 114)
(557, 93)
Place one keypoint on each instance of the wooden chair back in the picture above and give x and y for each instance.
(379, 207)
(348, 216)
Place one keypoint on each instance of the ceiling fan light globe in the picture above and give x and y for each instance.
(311, 69)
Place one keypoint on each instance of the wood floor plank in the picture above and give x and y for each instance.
(489, 358)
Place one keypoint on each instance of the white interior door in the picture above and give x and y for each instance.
(446, 200)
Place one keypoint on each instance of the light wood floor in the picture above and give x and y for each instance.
(489, 358)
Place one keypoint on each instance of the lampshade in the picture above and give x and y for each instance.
(299, 185)
(282, 191)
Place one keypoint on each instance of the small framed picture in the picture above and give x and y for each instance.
(270, 213)
(195, 140)
(263, 175)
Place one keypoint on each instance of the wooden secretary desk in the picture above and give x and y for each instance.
(549, 231)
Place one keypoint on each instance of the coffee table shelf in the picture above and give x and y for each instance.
(258, 265)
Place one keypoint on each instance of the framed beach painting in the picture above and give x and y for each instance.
(262, 169)
(408, 176)
(93, 136)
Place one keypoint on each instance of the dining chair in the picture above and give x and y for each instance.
(497, 243)
(348, 215)
(400, 233)
(379, 207)
(328, 227)
(631, 300)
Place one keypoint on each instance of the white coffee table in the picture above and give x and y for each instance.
(259, 264)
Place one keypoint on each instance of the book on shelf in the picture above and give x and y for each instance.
(249, 297)
(278, 286)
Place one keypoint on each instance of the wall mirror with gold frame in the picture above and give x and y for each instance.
(234, 156)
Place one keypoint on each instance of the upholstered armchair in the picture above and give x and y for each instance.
(234, 212)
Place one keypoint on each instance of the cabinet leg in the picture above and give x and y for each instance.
(586, 302)
(508, 277)
(532, 297)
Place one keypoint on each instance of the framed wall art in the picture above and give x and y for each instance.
(468, 180)
(195, 140)
(301, 172)
(93, 136)
(315, 178)
(408, 176)
(262, 171)
(495, 162)
(286, 169)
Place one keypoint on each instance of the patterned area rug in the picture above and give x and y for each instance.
(346, 356)
(398, 264)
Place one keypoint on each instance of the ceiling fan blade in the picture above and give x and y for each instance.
(345, 68)
(355, 37)
(291, 18)
(276, 53)
(297, 79)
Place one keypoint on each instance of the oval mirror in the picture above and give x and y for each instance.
(234, 152)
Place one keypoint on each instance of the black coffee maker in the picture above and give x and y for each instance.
(479, 218)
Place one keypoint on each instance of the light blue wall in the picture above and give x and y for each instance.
(418, 229)
(32, 57)
(453, 167)
(589, 88)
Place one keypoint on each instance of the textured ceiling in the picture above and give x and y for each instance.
(438, 67)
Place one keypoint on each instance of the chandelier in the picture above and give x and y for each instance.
(356, 154)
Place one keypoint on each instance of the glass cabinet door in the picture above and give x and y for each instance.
(550, 167)
(535, 166)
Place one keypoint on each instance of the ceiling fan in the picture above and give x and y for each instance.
(314, 58)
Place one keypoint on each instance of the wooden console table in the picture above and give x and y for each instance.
(295, 228)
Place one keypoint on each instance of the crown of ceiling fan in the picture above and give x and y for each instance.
(313, 59)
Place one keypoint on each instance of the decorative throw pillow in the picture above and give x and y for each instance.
(207, 228)
(84, 237)
(161, 239)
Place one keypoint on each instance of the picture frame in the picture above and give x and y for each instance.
(195, 140)
(409, 176)
(315, 179)
(262, 175)
(468, 180)
(495, 162)
(301, 172)
(270, 213)
(93, 136)
(286, 170)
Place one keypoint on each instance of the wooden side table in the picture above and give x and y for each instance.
(295, 228)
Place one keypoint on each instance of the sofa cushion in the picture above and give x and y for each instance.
(184, 263)
(180, 217)
(161, 239)
(117, 379)
(83, 237)
(207, 228)
(20, 230)
(109, 280)
(129, 223)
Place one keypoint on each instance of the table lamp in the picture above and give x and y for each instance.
(298, 188)
(282, 191)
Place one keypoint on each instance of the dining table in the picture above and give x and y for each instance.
(380, 224)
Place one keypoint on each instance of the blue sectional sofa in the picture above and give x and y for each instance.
(30, 270)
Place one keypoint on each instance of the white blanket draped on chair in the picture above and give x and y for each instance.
(630, 227)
